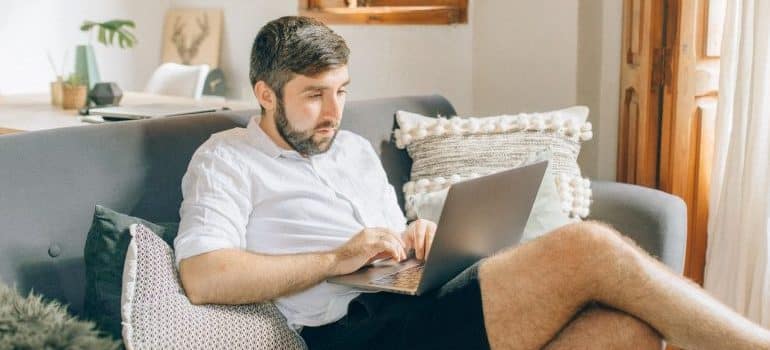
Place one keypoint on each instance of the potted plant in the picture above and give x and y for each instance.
(85, 61)
(74, 92)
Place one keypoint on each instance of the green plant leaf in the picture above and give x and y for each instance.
(102, 36)
(87, 25)
(117, 23)
(130, 38)
(108, 30)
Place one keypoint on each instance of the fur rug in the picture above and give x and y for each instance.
(31, 323)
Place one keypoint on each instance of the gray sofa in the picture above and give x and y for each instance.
(51, 180)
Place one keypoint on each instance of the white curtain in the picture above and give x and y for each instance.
(737, 263)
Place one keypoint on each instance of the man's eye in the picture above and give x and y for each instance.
(342, 92)
(315, 96)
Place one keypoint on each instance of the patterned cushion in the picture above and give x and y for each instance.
(157, 314)
(445, 151)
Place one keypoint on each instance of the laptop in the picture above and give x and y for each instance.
(147, 111)
(480, 217)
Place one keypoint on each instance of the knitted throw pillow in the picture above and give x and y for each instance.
(157, 314)
(445, 151)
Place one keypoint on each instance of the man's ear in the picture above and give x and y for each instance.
(265, 95)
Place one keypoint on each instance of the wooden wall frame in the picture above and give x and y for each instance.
(432, 12)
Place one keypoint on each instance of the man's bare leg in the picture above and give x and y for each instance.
(532, 291)
(599, 327)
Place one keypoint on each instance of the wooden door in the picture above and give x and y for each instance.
(689, 111)
(669, 84)
(640, 92)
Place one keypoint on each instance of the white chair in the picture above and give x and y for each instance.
(175, 79)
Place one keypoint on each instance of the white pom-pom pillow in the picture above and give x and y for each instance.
(448, 150)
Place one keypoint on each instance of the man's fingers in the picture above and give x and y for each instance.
(419, 238)
(431, 234)
(380, 255)
(391, 248)
(408, 237)
(401, 243)
(388, 232)
(398, 237)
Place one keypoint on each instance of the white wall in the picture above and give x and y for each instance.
(512, 56)
(411, 60)
(30, 27)
(589, 77)
(524, 55)
(609, 100)
(385, 60)
(544, 55)
(600, 26)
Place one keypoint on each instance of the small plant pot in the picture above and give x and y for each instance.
(74, 96)
(56, 93)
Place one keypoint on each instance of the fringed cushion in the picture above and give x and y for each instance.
(448, 150)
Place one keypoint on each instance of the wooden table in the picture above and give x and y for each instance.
(30, 112)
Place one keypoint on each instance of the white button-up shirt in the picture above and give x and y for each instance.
(243, 191)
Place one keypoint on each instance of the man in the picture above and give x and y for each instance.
(271, 211)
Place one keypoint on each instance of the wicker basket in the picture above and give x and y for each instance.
(74, 96)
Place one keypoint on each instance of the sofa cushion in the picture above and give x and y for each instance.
(104, 253)
(157, 315)
(445, 151)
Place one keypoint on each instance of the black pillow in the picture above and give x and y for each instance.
(104, 253)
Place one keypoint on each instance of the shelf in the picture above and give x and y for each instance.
(436, 15)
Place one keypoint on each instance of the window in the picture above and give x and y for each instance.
(386, 11)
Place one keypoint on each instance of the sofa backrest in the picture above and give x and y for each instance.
(50, 181)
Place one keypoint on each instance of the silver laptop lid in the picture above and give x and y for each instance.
(480, 217)
(152, 110)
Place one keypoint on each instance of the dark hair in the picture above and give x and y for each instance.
(294, 45)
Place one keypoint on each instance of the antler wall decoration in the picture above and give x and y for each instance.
(188, 51)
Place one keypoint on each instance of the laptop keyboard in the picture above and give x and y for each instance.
(406, 278)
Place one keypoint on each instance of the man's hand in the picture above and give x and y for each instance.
(366, 246)
(419, 235)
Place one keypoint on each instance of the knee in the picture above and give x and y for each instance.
(593, 230)
(623, 331)
(586, 249)
(589, 243)
(591, 236)
(604, 328)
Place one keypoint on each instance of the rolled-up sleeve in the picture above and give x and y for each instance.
(216, 205)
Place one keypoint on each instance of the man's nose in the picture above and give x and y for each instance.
(333, 106)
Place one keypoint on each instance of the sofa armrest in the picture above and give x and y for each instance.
(656, 220)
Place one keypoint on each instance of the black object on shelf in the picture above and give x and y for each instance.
(106, 94)
(215, 83)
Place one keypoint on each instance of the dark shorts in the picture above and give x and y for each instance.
(450, 317)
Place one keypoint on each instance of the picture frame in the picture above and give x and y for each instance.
(193, 36)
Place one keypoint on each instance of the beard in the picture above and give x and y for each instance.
(302, 141)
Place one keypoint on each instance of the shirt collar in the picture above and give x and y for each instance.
(265, 144)
(260, 138)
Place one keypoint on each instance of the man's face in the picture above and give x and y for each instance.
(308, 117)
